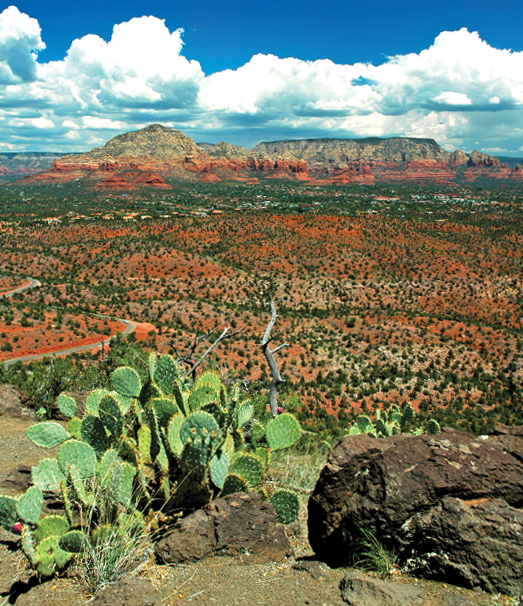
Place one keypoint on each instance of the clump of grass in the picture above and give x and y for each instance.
(117, 540)
(116, 553)
(372, 556)
(299, 471)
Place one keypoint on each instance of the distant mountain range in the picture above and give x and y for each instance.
(15, 165)
(157, 155)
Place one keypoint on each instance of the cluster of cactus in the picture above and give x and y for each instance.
(393, 422)
(142, 448)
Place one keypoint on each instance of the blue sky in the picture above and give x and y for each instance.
(73, 75)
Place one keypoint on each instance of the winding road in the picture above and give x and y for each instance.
(130, 326)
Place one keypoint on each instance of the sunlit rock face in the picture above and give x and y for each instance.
(154, 155)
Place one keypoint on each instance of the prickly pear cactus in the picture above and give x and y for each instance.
(67, 405)
(163, 443)
(283, 431)
(249, 467)
(29, 505)
(287, 505)
(166, 373)
(47, 434)
(432, 427)
(126, 381)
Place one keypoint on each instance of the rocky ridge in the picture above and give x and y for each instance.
(154, 155)
(16, 165)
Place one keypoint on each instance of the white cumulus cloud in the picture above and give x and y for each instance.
(459, 90)
(19, 41)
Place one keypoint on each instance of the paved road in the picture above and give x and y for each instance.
(32, 284)
(129, 327)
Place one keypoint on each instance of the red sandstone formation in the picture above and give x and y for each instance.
(152, 156)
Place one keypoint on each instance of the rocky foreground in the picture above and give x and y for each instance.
(155, 155)
(448, 504)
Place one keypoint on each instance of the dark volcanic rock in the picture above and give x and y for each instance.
(18, 479)
(14, 403)
(360, 590)
(130, 591)
(383, 485)
(468, 543)
(238, 524)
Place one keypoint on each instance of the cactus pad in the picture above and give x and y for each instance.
(67, 405)
(216, 410)
(29, 505)
(50, 526)
(47, 434)
(28, 545)
(247, 466)
(93, 400)
(93, 432)
(79, 454)
(124, 401)
(199, 424)
(432, 427)
(122, 483)
(166, 373)
(257, 432)
(8, 513)
(265, 455)
(144, 443)
(153, 362)
(283, 431)
(78, 486)
(238, 439)
(245, 412)
(165, 409)
(202, 394)
(364, 422)
(211, 379)
(287, 505)
(219, 467)
(178, 396)
(74, 426)
(106, 465)
(408, 415)
(173, 434)
(126, 381)
(73, 541)
(111, 415)
(234, 483)
(50, 556)
(149, 391)
(47, 475)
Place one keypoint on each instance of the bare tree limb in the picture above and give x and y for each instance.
(189, 357)
(271, 361)
(221, 338)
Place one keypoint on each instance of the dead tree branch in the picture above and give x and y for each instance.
(271, 361)
(189, 357)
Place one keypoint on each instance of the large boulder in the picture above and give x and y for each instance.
(399, 488)
(15, 403)
(236, 525)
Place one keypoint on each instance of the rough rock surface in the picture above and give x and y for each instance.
(18, 479)
(389, 486)
(131, 591)
(14, 403)
(361, 590)
(475, 544)
(147, 157)
(236, 525)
